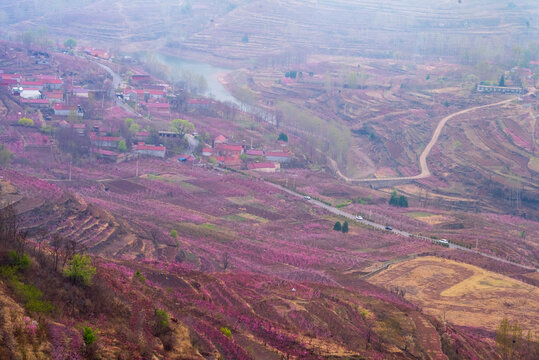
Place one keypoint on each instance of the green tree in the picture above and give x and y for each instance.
(129, 122)
(283, 137)
(80, 270)
(502, 80)
(122, 146)
(337, 226)
(70, 43)
(88, 335)
(5, 156)
(174, 233)
(181, 127)
(396, 200)
(134, 128)
(24, 121)
(161, 324)
(226, 331)
(345, 227)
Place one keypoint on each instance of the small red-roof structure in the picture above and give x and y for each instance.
(229, 160)
(254, 152)
(220, 139)
(278, 156)
(36, 102)
(228, 150)
(264, 167)
(150, 150)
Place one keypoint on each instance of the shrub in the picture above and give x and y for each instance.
(32, 296)
(18, 262)
(138, 275)
(283, 137)
(88, 335)
(80, 270)
(337, 226)
(226, 331)
(24, 121)
(161, 322)
(174, 233)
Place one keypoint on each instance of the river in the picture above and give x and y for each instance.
(211, 74)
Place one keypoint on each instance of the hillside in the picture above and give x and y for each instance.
(242, 30)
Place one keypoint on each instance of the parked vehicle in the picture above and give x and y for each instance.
(443, 241)
(389, 228)
(359, 217)
(307, 197)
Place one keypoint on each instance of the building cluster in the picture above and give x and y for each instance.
(233, 155)
(147, 97)
(45, 92)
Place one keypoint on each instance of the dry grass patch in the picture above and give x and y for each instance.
(465, 294)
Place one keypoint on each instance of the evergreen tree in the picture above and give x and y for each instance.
(345, 227)
(502, 80)
(337, 226)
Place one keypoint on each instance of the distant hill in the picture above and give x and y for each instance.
(245, 29)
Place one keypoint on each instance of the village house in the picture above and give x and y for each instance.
(168, 134)
(34, 84)
(40, 103)
(268, 167)
(220, 139)
(142, 136)
(280, 157)
(233, 160)
(53, 96)
(61, 109)
(207, 152)
(253, 154)
(228, 149)
(80, 129)
(150, 150)
(80, 92)
(140, 78)
(108, 155)
(499, 89)
(193, 104)
(158, 108)
(104, 141)
(30, 93)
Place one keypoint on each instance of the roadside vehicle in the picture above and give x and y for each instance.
(307, 197)
(359, 217)
(389, 228)
(443, 241)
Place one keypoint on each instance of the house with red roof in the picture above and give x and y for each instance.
(104, 141)
(198, 104)
(229, 160)
(140, 78)
(80, 92)
(41, 103)
(158, 108)
(52, 83)
(151, 150)
(251, 154)
(61, 109)
(38, 84)
(268, 167)
(207, 152)
(220, 139)
(53, 96)
(228, 149)
(278, 156)
(108, 155)
(142, 136)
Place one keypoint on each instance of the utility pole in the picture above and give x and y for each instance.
(137, 169)
(476, 245)
(69, 170)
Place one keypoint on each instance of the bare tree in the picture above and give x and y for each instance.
(226, 260)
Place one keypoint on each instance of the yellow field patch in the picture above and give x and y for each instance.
(464, 294)
(533, 164)
(242, 200)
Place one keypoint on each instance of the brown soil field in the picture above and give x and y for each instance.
(464, 294)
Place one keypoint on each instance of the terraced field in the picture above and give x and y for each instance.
(464, 294)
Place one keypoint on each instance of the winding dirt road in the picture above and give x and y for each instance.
(425, 172)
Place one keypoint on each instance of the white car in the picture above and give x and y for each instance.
(307, 197)
(443, 241)
(359, 217)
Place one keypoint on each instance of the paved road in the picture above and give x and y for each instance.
(339, 212)
(425, 172)
(116, 81)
